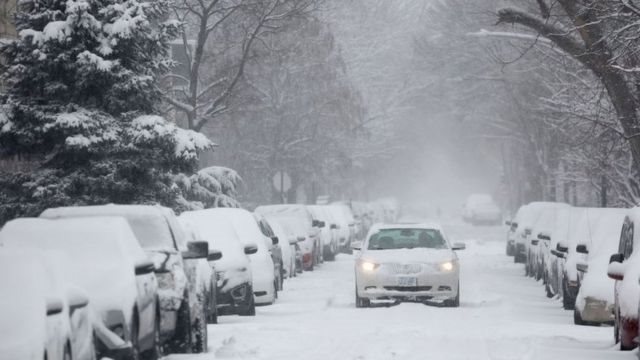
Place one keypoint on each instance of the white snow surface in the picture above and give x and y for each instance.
(503, 316)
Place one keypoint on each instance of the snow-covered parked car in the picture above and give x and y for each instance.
(162, 238)
(330, 233)
(275, 249)
(109, 265)
(407, 262)
(511, 232)
(481, 209)
(43, 315)
(523, 233)
(538, 246)
(558, 233)
(595, 299)
(347, 230)
(233, 268)
(624, 268)
(306, 226)
(288, 240)
(263, 270)
(204, 273)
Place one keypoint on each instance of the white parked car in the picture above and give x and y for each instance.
(233, 268)
(265, 287)
(109, 264)
(330, 233)
(595, 300)
(288, 240)
(407, 262)
(43, 316)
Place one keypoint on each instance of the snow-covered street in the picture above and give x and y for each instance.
(503, 315)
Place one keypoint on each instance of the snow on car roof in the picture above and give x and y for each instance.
(147, 221)
(433, 226)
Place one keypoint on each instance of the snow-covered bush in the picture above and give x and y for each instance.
(214, 186)
(81, 91)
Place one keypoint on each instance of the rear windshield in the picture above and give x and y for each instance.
(388, 239)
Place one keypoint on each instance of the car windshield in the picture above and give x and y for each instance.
(389, 239)
(152, 231)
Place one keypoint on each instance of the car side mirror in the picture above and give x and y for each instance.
(557, 253)
(145, 267)
(507, 222)
(544, 236)
(616, 258)
(54, 306)
(527, 231)
(582, 267)
(77, 299)
(293, 241)
(214, 255)
(334, 226)
(615, 270)
(458, 246)
(275, 240)
(301, 238)
(535, 242)
(562, 249)
(317, 223)
(196, 250)
(356, 245)
(582, 249)
(250, 249)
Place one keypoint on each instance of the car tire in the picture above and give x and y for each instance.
(67, 352)
(156, 350)
(509, 250)
(455, 302)
(181, 342)
(212, 313)
(249, 310)
(362, 302)
(567, 302)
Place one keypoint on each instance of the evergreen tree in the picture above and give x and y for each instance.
(81, 91)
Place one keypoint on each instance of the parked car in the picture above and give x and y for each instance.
(559, 233)
(204, 274)
(624, 268)
(595, 299)
(330, 233)
(109, 264)
(35, 317)
(265, 288)
(348, 227)
(397, 262)
(306, 226)
(275, 249)
(288, 242)
(511, 232)
(480, 209)
(540, 240)
(161, 237)
(233, 268)
(526, 219)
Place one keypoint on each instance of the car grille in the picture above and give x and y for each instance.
(404, 268)
(408, 288)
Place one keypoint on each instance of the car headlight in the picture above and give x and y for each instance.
(368, 266)
(447, 266)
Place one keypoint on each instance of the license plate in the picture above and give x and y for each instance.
(407, 281)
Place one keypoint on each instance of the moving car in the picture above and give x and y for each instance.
(624, 268)
(233, 268)
(162, 238)
(109, 264)
(407, 262)
(595, 299)
(480, 209)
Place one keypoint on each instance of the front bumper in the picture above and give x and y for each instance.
(386, 285)
(230, 301)
(597, 311)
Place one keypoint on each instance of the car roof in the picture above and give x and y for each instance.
(421, 225)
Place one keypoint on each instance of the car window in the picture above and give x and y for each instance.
(152, 232)
(388, 239)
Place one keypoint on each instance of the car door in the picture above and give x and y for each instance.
(146, 301)
(625, 247)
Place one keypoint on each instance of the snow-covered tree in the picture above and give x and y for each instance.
(81, 94)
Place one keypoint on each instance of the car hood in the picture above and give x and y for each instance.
(408, 256)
